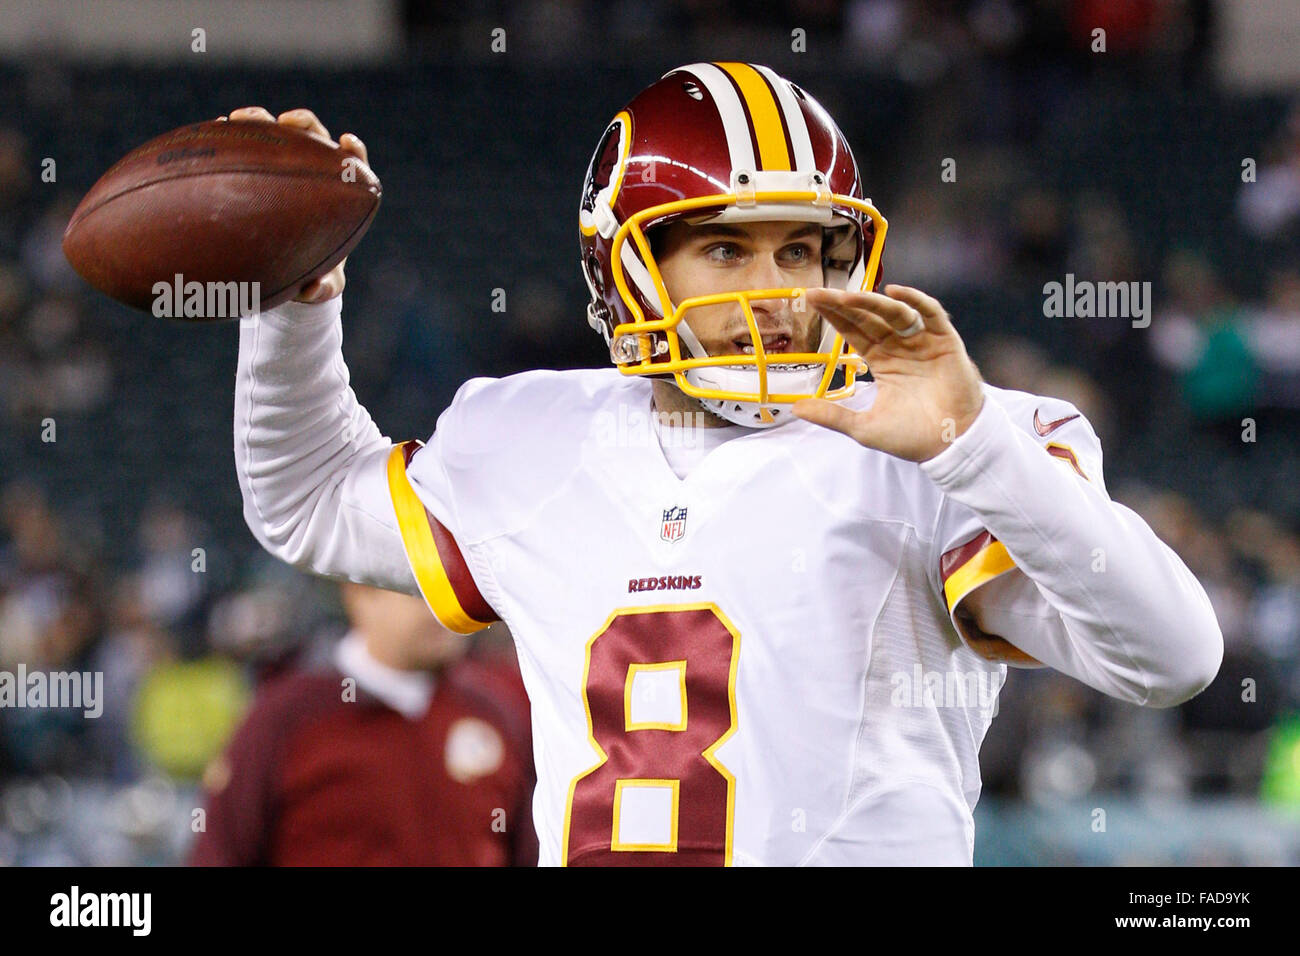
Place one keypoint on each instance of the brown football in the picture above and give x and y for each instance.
(177, 220)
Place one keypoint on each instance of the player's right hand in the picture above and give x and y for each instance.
(330, 284)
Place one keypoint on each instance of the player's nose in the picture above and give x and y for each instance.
(767, 272)
(769, 311)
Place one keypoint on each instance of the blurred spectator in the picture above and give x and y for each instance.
(876, 29)
(50, 618)
(1269, 206)
(16, 167)
(184, 712)
(932, 248)
(1129, 26)
(1273, 552)
(134, 644)
(1093, 247)
(42, 249)
(1273, 335)
(1281, 785)
(1037, 242)
(1008, 361)
(55, 367)
(1012, 362)
(13, 293)
(1082, 392)
(47, 605)
(1201, 338)
(395, 749)
(1224, 382)
(178, 563)
(1207, 553)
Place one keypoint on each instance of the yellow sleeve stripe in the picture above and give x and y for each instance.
(422, 551)
(984, 566)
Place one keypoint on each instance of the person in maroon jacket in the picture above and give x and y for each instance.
(399, 750)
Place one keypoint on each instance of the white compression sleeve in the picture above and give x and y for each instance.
(311, 462)
(1138, 626)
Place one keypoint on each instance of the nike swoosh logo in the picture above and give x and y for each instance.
(1047, 429)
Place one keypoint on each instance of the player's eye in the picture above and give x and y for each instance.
(799, 254)
(723, 252)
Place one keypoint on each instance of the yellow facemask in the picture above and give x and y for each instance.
(638, 351)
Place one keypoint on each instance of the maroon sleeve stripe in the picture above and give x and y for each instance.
(453, 562)
(956, 557)
(1067, 455)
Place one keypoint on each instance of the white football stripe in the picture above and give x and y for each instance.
(731, 110)
(640, 275)
(859, 274)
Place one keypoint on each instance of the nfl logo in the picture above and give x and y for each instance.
(674, 525)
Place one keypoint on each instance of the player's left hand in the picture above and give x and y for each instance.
(927, 388)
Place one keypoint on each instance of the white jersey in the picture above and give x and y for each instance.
(723, 666)
(754, 664)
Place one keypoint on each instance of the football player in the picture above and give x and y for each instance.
(763, 603)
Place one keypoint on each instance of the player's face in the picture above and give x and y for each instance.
(704, 259)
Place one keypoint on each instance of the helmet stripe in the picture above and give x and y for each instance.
(769, 125)
(640, 276)
(727, 101)
(780, 112)
(795, 124)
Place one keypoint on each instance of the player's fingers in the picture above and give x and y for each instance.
(901, 316)
(319, 290)
(932, 312)
(352, 144)
(306, 120)
(326, 287)
(897, 316)
(248, 113)
(860, 328)
(309, 292)
(860, 337)
(314, 291)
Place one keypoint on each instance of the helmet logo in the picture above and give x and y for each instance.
(604, 174)
(601, 168)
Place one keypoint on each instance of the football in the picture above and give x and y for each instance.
(220, 219)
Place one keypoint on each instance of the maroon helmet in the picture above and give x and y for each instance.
(725, 143)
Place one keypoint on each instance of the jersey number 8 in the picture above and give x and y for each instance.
(659, 685)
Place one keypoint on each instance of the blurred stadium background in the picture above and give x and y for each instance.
(1123, 165)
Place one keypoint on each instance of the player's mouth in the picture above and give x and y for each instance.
(774, 342)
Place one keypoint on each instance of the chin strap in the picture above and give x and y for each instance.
(748, 414)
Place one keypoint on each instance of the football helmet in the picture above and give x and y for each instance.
(724, 143)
